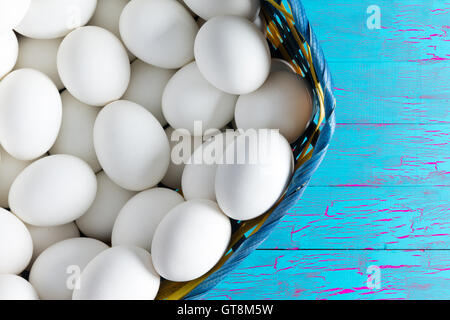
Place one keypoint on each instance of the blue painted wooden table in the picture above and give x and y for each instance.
(375, 221)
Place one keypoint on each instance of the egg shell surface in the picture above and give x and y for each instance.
(281, 65)
(190, 240)
(9, 52)
(12, 12)
(13, 287)
(208, 9)
(159, 32)
(141, 215)
(190, 98)
(146, 87)
(232, 54)
(30, 114)
(40, 55)
(119, 273)
(76, 136)
(199, 175)
(44, 237)
(107, 16)
(182, 144)
(98, 221)
(52, 191)
(9, 170)
(283, 103)
(51, 19)
(93, 65)
(246, 188)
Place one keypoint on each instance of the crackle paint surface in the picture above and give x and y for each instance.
(375, 221)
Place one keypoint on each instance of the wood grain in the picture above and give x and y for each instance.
(325, 274)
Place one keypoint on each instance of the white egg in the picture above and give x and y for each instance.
(119, 273)
(283, 103)
(146, 87)
(199, 174)
(182, 144)
(9, 170)
(9, 52)
(190, 98)
(51, 19)
(44, 237)
(139, 218)
(259, 22)
(30, 114)
(93, 65)
(190, 240)
(76, 136)
(131, 146)
(13, 287)
(40, 55)
(254, 175)
(208, 9)
(98, 221)
(232, 54)
(159, 32)
(53, 191)
(281, 65)
(16, 246)
(56, 272)
(12, 12)
(107, 16)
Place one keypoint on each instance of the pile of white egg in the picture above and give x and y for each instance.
(91, 94)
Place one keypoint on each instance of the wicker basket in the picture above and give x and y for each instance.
(292, 39)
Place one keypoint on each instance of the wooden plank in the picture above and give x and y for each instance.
(386, 155)
(394, 92)
(365, 217)
(397, 74)
(326, 274)
(415, 31)
(384, 184)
